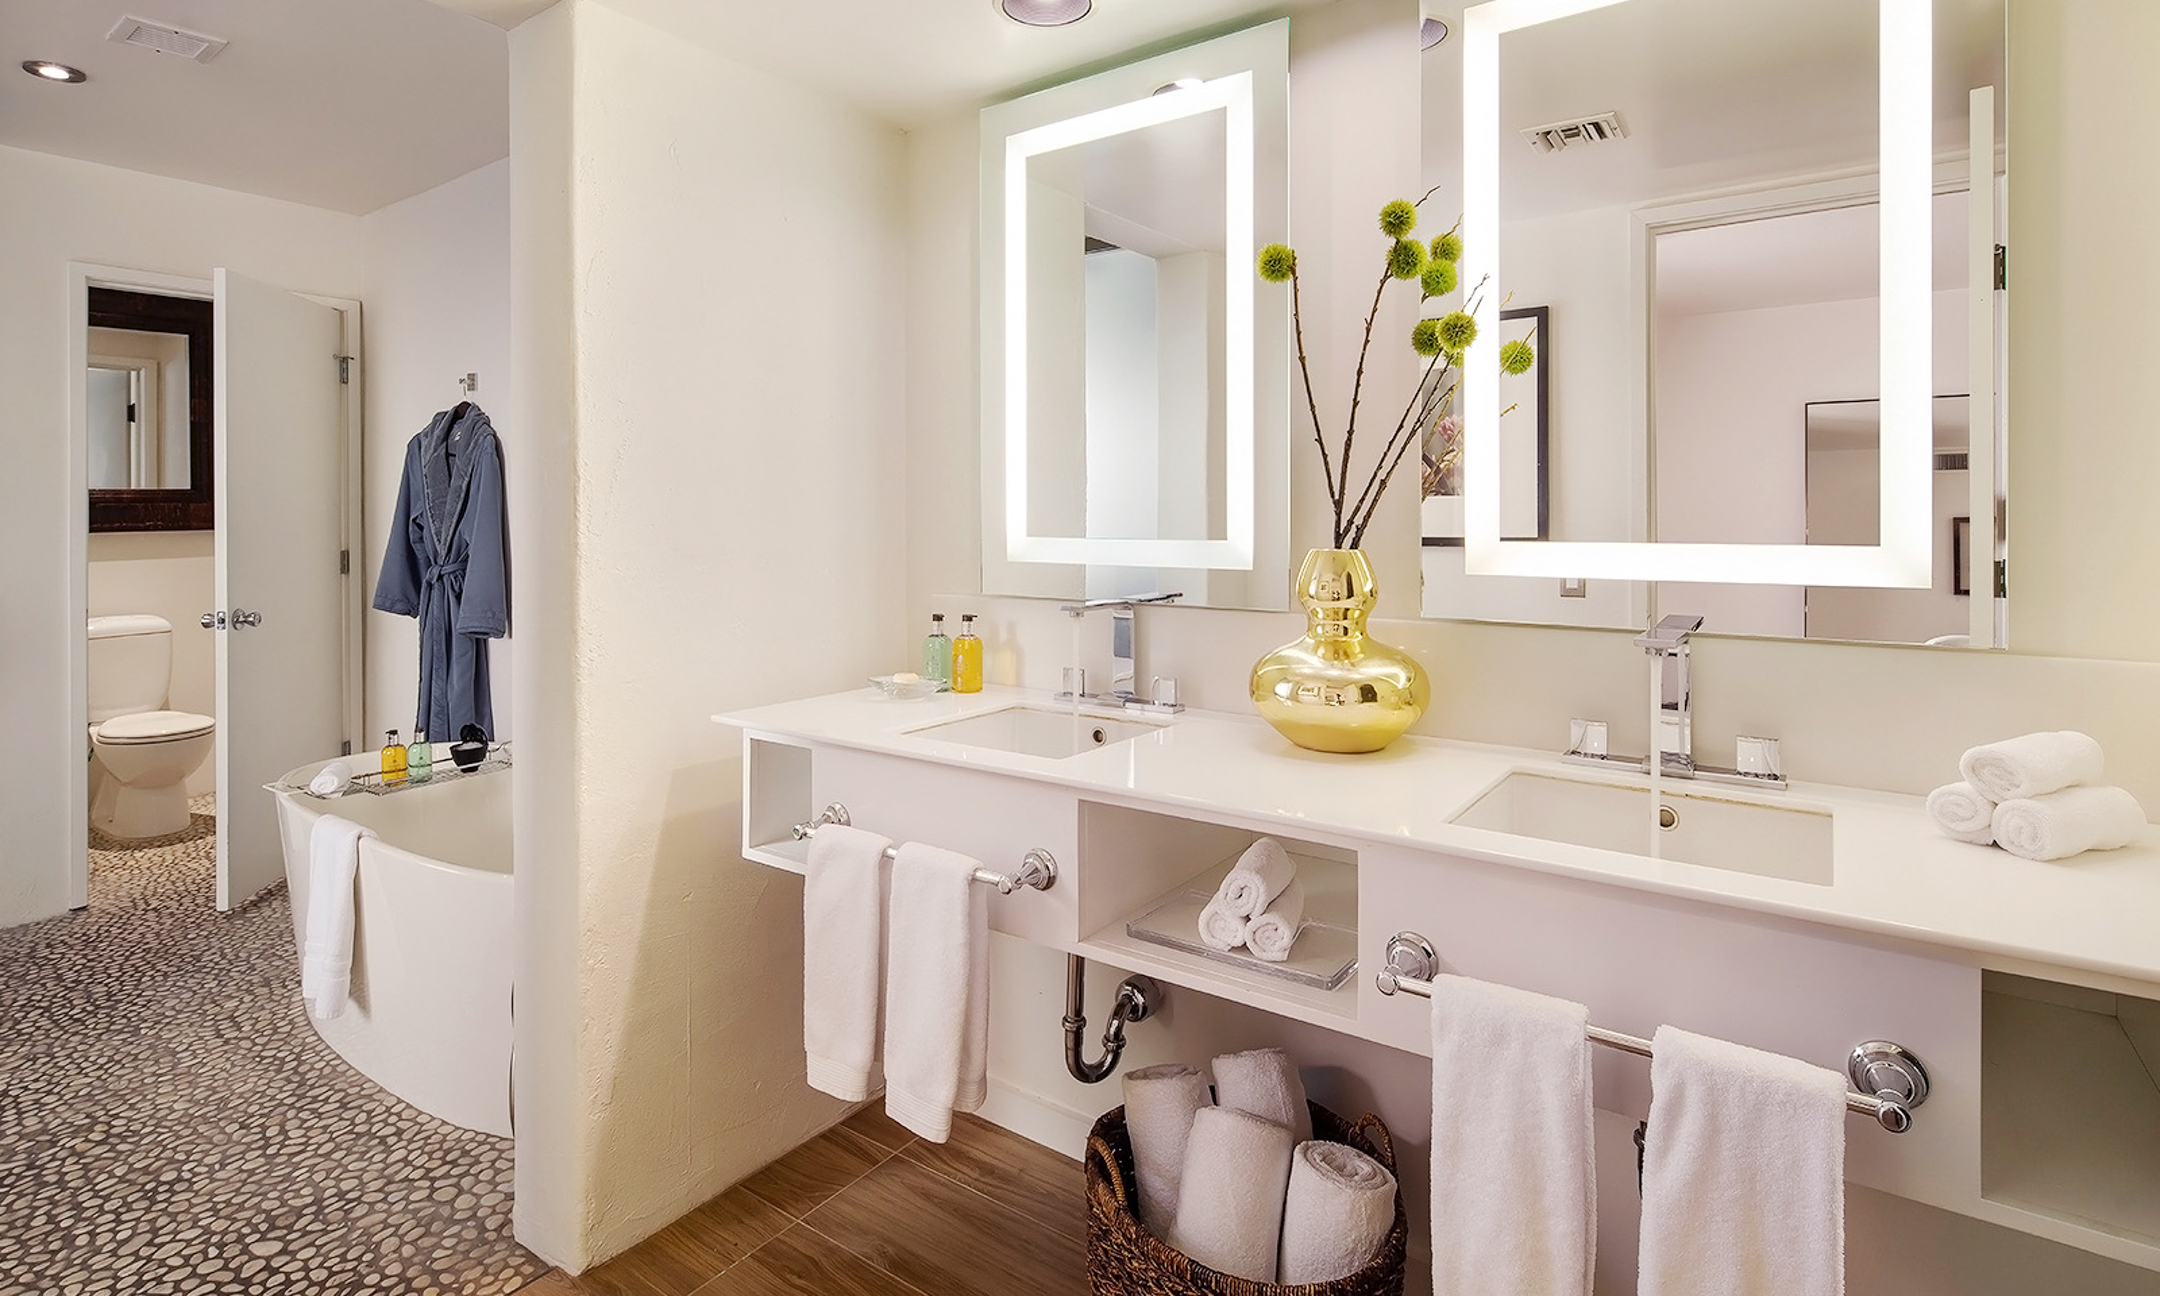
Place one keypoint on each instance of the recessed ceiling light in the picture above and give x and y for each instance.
(1046, 13)
(1431, 32)
(48, 70)
(1182, 83)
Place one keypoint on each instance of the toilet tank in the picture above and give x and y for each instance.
(130, 665)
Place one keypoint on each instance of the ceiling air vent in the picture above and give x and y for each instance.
(1554, 136)
(163, 38)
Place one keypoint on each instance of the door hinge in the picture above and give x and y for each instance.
(345, 748)
(2002, 578)
(344, 562)
(2002, 268)
(344, 369)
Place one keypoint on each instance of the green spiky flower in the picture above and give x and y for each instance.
(1425, 337)
(1398, 218)
(1447, 247)
(1439, 278)
(1278, 262)
(1454, 359)
(1406, 260)
(1457, 331)
(1517, 356)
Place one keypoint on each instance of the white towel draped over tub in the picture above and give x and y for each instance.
(326, 962)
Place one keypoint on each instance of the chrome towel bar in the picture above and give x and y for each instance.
(1037, 872)
(1891, 1079)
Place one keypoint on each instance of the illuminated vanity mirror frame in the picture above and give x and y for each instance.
(1904, 558)
(1243, 75)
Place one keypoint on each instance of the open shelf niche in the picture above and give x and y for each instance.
(776, 797)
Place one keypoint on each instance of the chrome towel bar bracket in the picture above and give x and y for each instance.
(1891, 1080)
(1037, 871)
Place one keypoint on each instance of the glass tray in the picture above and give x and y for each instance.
(1325, 953)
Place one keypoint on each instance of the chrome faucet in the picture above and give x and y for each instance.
(1124, 659)
(1672, 731)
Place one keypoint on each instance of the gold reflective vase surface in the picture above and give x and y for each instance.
(1338, 689)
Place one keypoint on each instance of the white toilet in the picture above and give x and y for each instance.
(141, 754)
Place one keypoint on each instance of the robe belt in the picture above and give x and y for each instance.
(442, 571)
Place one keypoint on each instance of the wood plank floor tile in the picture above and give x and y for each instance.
(552, 1283)
(804, 1179)
(735, 1223)
(1017, 1173)
(672, 1262)
(873, 1124)
(942, 1238)
(802, 1263)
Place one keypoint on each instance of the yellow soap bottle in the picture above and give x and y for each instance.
(967, 658)
(393, 758)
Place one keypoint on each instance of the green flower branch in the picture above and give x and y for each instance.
(1442, 340)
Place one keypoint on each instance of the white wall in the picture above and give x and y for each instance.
(437, 290)
(716, 249)
(167, 574)
(60, 210)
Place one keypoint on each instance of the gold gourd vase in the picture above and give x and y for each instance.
(1338, 689)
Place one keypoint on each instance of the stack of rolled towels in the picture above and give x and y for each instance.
(1238, 1182)
(2039, 797)
(1260, 905)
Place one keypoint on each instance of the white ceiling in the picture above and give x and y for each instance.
(344, 104)
(1818, 256)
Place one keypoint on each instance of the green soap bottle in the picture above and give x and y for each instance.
(937, 651)
(420, 758)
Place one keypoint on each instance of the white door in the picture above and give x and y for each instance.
(280, 667)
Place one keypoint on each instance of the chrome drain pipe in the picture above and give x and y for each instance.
(1137, 999)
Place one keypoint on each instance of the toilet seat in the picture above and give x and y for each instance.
(145, 727)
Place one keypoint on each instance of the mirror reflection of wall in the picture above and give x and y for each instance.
(1689, 187)
(149, 383)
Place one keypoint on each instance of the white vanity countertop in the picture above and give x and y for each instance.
(1892, 872)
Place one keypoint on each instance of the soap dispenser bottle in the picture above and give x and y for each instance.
(967, 658)
(937, 651)
(420, 758)
(393, 758)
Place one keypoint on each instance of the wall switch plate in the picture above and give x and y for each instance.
(1574, 587)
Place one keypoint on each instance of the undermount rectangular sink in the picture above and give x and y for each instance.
(1791, 842)
(1037, 731)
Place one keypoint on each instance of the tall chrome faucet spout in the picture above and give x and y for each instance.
(1673, 729)
(1124, 657)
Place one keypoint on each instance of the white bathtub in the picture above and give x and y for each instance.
(430, 1013)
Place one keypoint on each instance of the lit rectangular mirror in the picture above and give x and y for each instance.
(1730, 216)
(1134, 434)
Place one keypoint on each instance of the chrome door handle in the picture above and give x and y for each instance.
(242, 619)
(213, 620)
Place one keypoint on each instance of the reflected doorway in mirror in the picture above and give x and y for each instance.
(1525, 446)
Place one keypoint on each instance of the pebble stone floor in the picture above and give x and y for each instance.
(171, 1126)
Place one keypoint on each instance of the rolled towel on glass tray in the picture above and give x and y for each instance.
(1258, 877)
(1220, 929)
(1336, 1215)
(1963, 812)
(2069, 822)
(1160, 1103)
(1276, 929)
(1230, 1200)
(2034, 765)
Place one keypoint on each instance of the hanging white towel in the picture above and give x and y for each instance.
(1230, 1199)
(2033, 765)
(1514, 1189)
(1160, 1103)
(1961, 811)
(1276, 929)
(1743, 1173)
(843, 960)
(937, 988)
(2069, 822)
(333, 866)
(1340, 1208)
(1266, 1083)
(1259, 876)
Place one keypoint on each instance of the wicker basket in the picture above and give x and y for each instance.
(1124, 1259)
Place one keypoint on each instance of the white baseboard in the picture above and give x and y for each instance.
(1041, 1120)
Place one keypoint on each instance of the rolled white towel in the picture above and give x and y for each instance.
(2034, 765)
(1276, 929)
(1258, 877)
(2069, 822)
(331, 780)
(1337, 1213)
(1961, 811)
(1230, 1200)
(1266, 1083)
(1160, 1103)
(1222, 930)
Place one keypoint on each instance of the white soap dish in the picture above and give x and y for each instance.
(907, 687)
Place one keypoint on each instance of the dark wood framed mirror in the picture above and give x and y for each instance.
(151, 387)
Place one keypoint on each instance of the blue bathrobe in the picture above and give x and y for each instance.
(448, 564)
